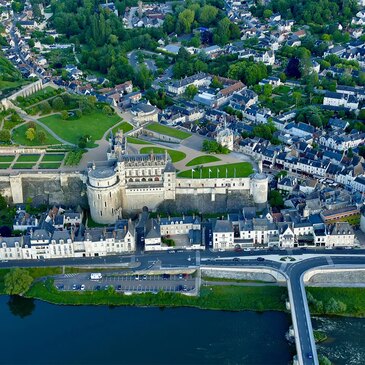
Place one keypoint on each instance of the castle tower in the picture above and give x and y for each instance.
(104, 194)
(259, 188)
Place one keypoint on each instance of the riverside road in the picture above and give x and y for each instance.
(293, 271)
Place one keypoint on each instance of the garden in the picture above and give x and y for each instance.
(176, 156)
(241, 169)
(167, 131)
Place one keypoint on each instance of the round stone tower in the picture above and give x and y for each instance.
(259, 188)
(104, 194)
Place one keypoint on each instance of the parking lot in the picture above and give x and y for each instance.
(127, 283)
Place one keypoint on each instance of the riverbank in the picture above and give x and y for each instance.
(231, 298)
(339, 301)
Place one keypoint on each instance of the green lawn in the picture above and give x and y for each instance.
(176, 156)
(172, 132)
(94, 124)
(5, 158)
(241, 169)
(23, 165)
(49, 165)
(19, 137)
(53, 157)
(133, 140)
(125, 127)
(28, 158)
(4, 166)
(201, 160)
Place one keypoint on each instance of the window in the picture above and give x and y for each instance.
(101, 213)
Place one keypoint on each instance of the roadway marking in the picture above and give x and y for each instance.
(282, 266)
(329, 260)
(197, 258)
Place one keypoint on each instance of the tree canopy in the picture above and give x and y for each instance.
(17, 281)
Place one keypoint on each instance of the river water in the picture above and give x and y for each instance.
(34, 332)
(346, 339)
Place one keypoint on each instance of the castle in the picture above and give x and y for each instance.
(127, 182)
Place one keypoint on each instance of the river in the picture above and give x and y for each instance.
(35, 332)
(346, 339)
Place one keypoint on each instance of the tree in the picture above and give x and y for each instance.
(267, 90)
(41, 136)
(5, 136)
(17, 281)
(222, 34)
(293, 68)
(185, 21)
(3, 203)
(335, 306)
(45, 107)
(64, 114)
(57, 103)
(208, 15)
(267, 13)
(276, 199)
(216, 84)
(191, 91)
(107, 110)
(30, 134)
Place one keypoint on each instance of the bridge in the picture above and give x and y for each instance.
(293, 271)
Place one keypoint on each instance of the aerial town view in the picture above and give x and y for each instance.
(182, 177)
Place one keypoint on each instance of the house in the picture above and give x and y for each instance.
(178, 87)
(340, 234)
(223, 235)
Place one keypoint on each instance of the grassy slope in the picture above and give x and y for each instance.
(19, 137)
(94, 124)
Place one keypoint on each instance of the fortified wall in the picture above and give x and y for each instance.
(49, 188)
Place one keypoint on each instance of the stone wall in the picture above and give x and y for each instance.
(335, 276)
(203, 203)
(239, 275)
(50, 191)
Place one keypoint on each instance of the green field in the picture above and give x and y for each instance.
(4, 166)
(94, 124)
(19, 137)
(162, 129)
(5, 158)
(53, 157)
(28, 158)
(49, 165)
(22, 165)
(234, 298)
(125, 127)
(241, 169)
(201, 160)
(134, 140)
(176, 156)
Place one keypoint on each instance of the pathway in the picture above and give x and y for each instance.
(49, 130)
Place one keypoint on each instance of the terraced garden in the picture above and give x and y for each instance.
(241, 169)
(176, 156)
(172, 132)
(201, 160)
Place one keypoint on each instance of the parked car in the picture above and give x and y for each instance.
(260, 259)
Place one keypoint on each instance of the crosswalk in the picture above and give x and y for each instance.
(69, 275)
(329, 260)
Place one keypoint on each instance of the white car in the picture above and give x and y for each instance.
(247, 249)
(82, 287)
